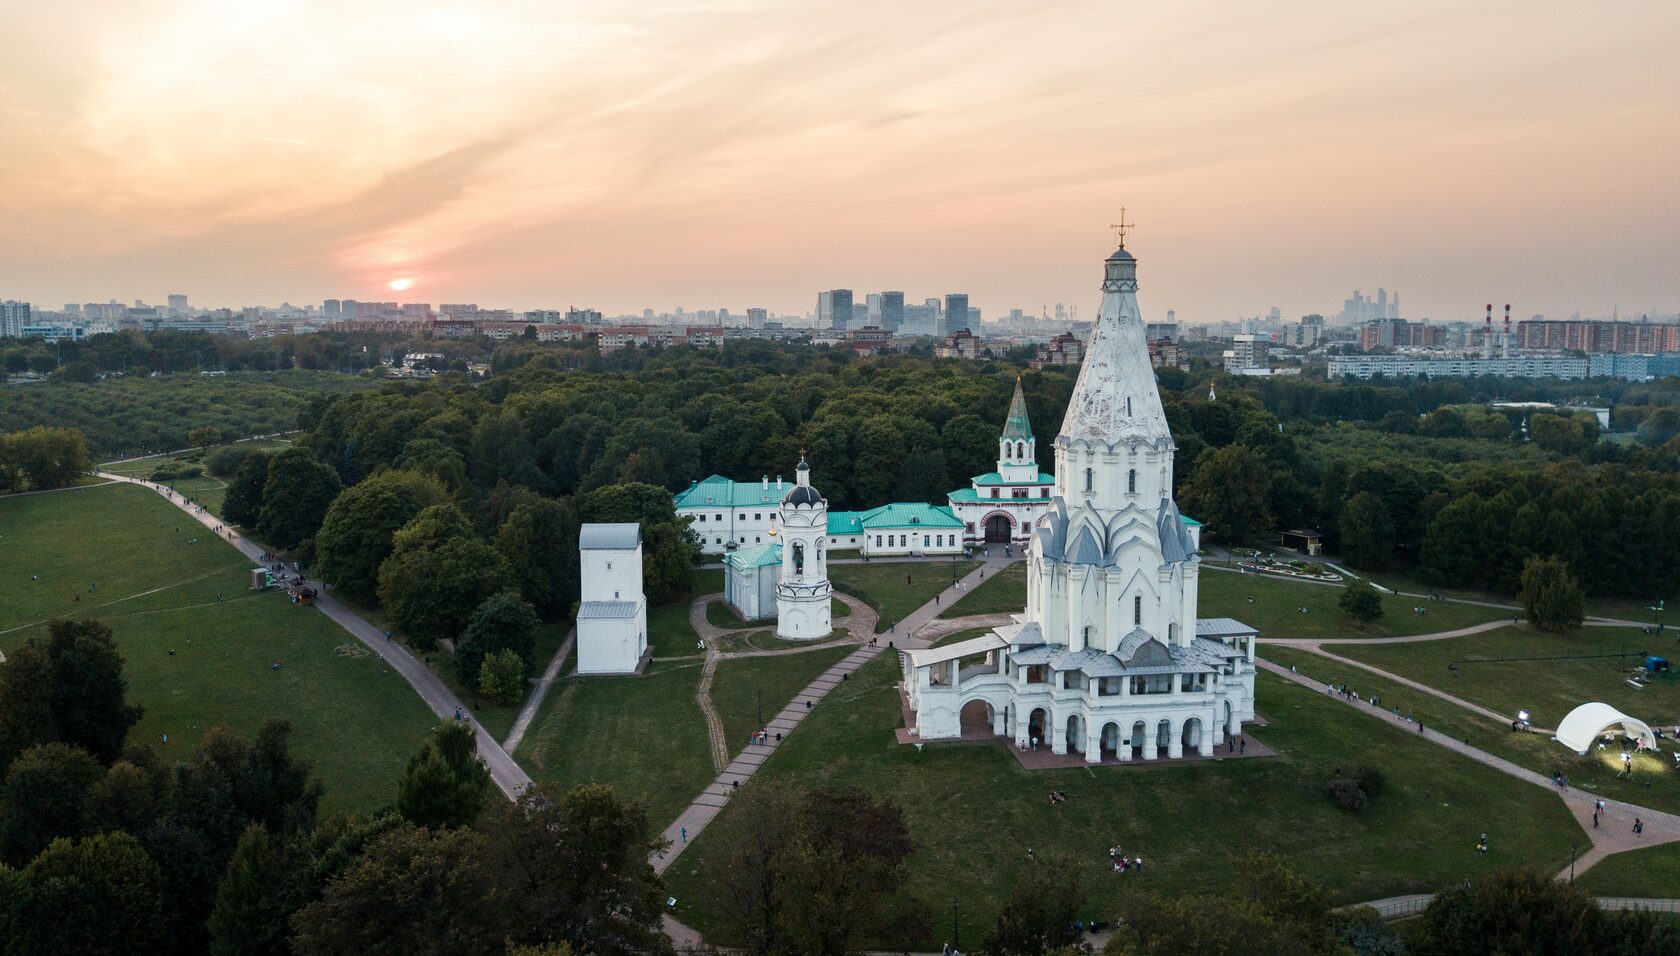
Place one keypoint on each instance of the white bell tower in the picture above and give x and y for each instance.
(803, 611)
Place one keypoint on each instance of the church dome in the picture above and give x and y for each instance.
(802, 495)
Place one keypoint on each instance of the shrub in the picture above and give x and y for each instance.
(1344, 792)
(1371, 780)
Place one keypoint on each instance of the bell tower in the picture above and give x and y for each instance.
(803, 612)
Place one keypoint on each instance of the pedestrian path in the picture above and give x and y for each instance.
(509, 777)
(1614, 833)
(534, 702)
(705, 808)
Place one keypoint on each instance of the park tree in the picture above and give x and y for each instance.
(67, 687)
(1228, 493)
(1457, 538)
(1367, 533)
(438, 574)
(822, 869)
(44, 457)
(126, 798)
(1511, 911)
(501, 676)
(445, 784)
(296, 497)
(101, 894)
(228, 783)
(242, 504)
(1550, 597)
(503, 622)
(204, 436)
(1269, 910)
(1360, 601)
(1042, 911)
(357, 533)
(255, 899)
(42, 799)
(1563, 434)
(535, 538)
(573, 870)
(412, 891)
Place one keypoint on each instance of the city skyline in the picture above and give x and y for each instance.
(748, 154)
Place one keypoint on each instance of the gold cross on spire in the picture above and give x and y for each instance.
(1121, 227)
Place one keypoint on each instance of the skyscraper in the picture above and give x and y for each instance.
(177, 303)
(757, 317)
(14, 315)
(892, 311)
(956, 312)
(834, 309)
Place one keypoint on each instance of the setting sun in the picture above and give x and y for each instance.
(400, 285)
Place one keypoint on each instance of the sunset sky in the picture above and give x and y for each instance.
(735, 154)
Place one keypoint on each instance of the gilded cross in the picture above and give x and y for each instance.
(1121, 227)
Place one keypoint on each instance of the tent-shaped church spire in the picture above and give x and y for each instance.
(1115, 400)
(1016, 427)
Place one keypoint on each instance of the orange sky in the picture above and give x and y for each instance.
(734, 154)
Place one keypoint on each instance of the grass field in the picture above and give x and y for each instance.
(737, 685)
(1002, 593)
(1651, 872)
(1275, 611)
(1654, 785)
(643, 735)
(1547, 689)
(974, 812)
(350, 714)
(896, 589)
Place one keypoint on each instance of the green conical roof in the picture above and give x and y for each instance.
(1016, 427)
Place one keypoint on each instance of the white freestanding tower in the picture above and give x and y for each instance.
(612, 619)
(803, 593)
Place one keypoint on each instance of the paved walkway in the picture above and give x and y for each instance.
(1615, 831)
(705, 808)
(533, 703)
(508, 776)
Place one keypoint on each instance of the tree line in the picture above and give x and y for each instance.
(41, 458)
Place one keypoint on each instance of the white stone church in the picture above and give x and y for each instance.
(787, 579)
(1109, 660)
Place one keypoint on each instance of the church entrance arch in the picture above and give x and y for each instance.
(1110, 741)
(975, 718)
(1075, 734)
(999, 529)
(1036, 722)
(1139, 738)
(1192, 739)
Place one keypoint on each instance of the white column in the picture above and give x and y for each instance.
(1093, 741)
(1175, 740)
(1058, 734)
(1151, 735)
(1205, 745)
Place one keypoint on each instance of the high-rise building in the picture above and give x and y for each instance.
(956, 312)
(14, 315)
(873, 301)
(177, 303)
(834, 309)
(331, 309)
(757, 317)
(920, 319)
(578, 316)
(892, 311)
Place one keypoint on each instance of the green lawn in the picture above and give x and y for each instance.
(896, 589)
(1547, 689)
(1002, 593)
(357, 720)
(737, 687)
(1655, 784)
(669, 633)
(974, 812)
(643, 735)
(1275, 610)
(719, 614)
(1651, 872)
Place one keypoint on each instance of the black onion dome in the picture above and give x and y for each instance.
(802, 495)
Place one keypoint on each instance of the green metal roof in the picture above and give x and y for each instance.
(915, 515)
(719, 492)
(757, 556)
(1189, 522)
(1016, 427)
(993, 478)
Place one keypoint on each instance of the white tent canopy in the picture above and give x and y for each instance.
(1585, 723)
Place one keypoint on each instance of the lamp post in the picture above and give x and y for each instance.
(1572, 851)
(956, 933)
(1656, 610)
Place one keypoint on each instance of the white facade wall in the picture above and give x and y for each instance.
(611, 646)
(911, 541)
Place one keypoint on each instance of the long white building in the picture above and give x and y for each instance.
(1109, 659)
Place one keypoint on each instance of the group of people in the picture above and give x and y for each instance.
(1119, 862)
(762, 736)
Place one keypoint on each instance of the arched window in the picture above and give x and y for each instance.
(1128, 406)
(1137, 609)
(1020, 450)
(1172, 633)
(1087, 635)
(1088, 479)
(1131, 481)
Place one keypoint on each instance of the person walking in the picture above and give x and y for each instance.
(1242, 746)
(684, 831)
(1638, 826)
